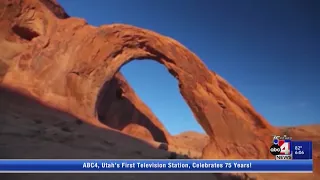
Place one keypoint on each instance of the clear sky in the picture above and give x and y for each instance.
(268, 49)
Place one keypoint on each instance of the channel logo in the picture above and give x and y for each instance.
(283, 157)
(275, 149)
(281, 148)
(285, 146)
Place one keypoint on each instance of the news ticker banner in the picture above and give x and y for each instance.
(152, 166)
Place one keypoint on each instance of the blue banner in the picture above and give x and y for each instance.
(301, 149)
(151, 166)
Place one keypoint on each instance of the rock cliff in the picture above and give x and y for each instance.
(69, 65)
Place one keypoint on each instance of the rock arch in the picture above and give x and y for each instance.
(224, 114)
(136, 43)
(69, 62)
(119, 107)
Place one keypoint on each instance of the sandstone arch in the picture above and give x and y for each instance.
(69, 61)
(120, 108)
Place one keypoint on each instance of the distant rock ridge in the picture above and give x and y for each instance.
(192, 133)
(65, 62)
(194, 141)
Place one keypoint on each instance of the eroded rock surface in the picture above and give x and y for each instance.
(120, 108)
(29, 130)
(65, 62)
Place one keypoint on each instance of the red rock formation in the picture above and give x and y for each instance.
(66, 62)
(189, 138)
(120, 108)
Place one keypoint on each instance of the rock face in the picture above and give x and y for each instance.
(189, 143)
(198, 140)
(68, 64)
(121, 109)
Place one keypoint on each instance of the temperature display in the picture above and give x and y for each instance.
(301, 149)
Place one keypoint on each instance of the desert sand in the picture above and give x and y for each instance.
(31, 130)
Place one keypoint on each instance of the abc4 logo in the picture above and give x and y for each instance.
(283, 148)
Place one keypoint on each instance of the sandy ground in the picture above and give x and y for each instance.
(30, 130)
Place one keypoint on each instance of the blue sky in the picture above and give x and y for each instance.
(268, 50)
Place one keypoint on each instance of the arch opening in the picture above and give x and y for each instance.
(25, 33)
(134, 101)
(133, 43)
